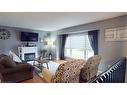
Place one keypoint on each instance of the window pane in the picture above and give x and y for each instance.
(78, 53)
(87, 43)
(77, 41)
(89, 53)
(67, 45)
(67, 52)
(78, 46)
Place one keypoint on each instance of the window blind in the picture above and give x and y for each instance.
(78, 46)
(78, 42)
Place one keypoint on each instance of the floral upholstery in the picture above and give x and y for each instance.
(89, 71)
(68, 72)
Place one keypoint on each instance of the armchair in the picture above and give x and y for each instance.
(17, 72)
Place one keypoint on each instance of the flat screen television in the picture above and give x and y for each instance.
(29, 37)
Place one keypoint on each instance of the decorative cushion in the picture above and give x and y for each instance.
(14, 57)
(68, 72)
(94, 60)
(89, 71)
(6, 61)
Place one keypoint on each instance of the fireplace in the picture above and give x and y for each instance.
(29, 56)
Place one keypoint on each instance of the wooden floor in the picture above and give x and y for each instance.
(35, 79)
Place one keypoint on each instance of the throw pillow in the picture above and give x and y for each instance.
(14, 57)
(6, 61)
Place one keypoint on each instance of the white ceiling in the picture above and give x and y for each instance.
(51, 21)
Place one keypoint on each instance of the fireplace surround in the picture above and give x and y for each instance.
(28, 53)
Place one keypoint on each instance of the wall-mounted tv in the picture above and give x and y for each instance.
(29, 36)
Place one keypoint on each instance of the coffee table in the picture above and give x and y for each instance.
(39, 63)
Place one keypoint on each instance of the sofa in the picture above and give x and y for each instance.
(74, 71)
(67, 72)
(12, 71)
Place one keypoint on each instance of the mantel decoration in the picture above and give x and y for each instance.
(4, 34)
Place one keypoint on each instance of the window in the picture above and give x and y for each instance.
(78, 46)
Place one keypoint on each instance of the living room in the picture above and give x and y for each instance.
(39, 36)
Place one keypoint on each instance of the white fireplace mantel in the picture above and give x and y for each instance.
(26, 50)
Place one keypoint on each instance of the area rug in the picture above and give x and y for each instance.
(52, 68)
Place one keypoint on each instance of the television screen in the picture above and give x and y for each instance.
(29, 36)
